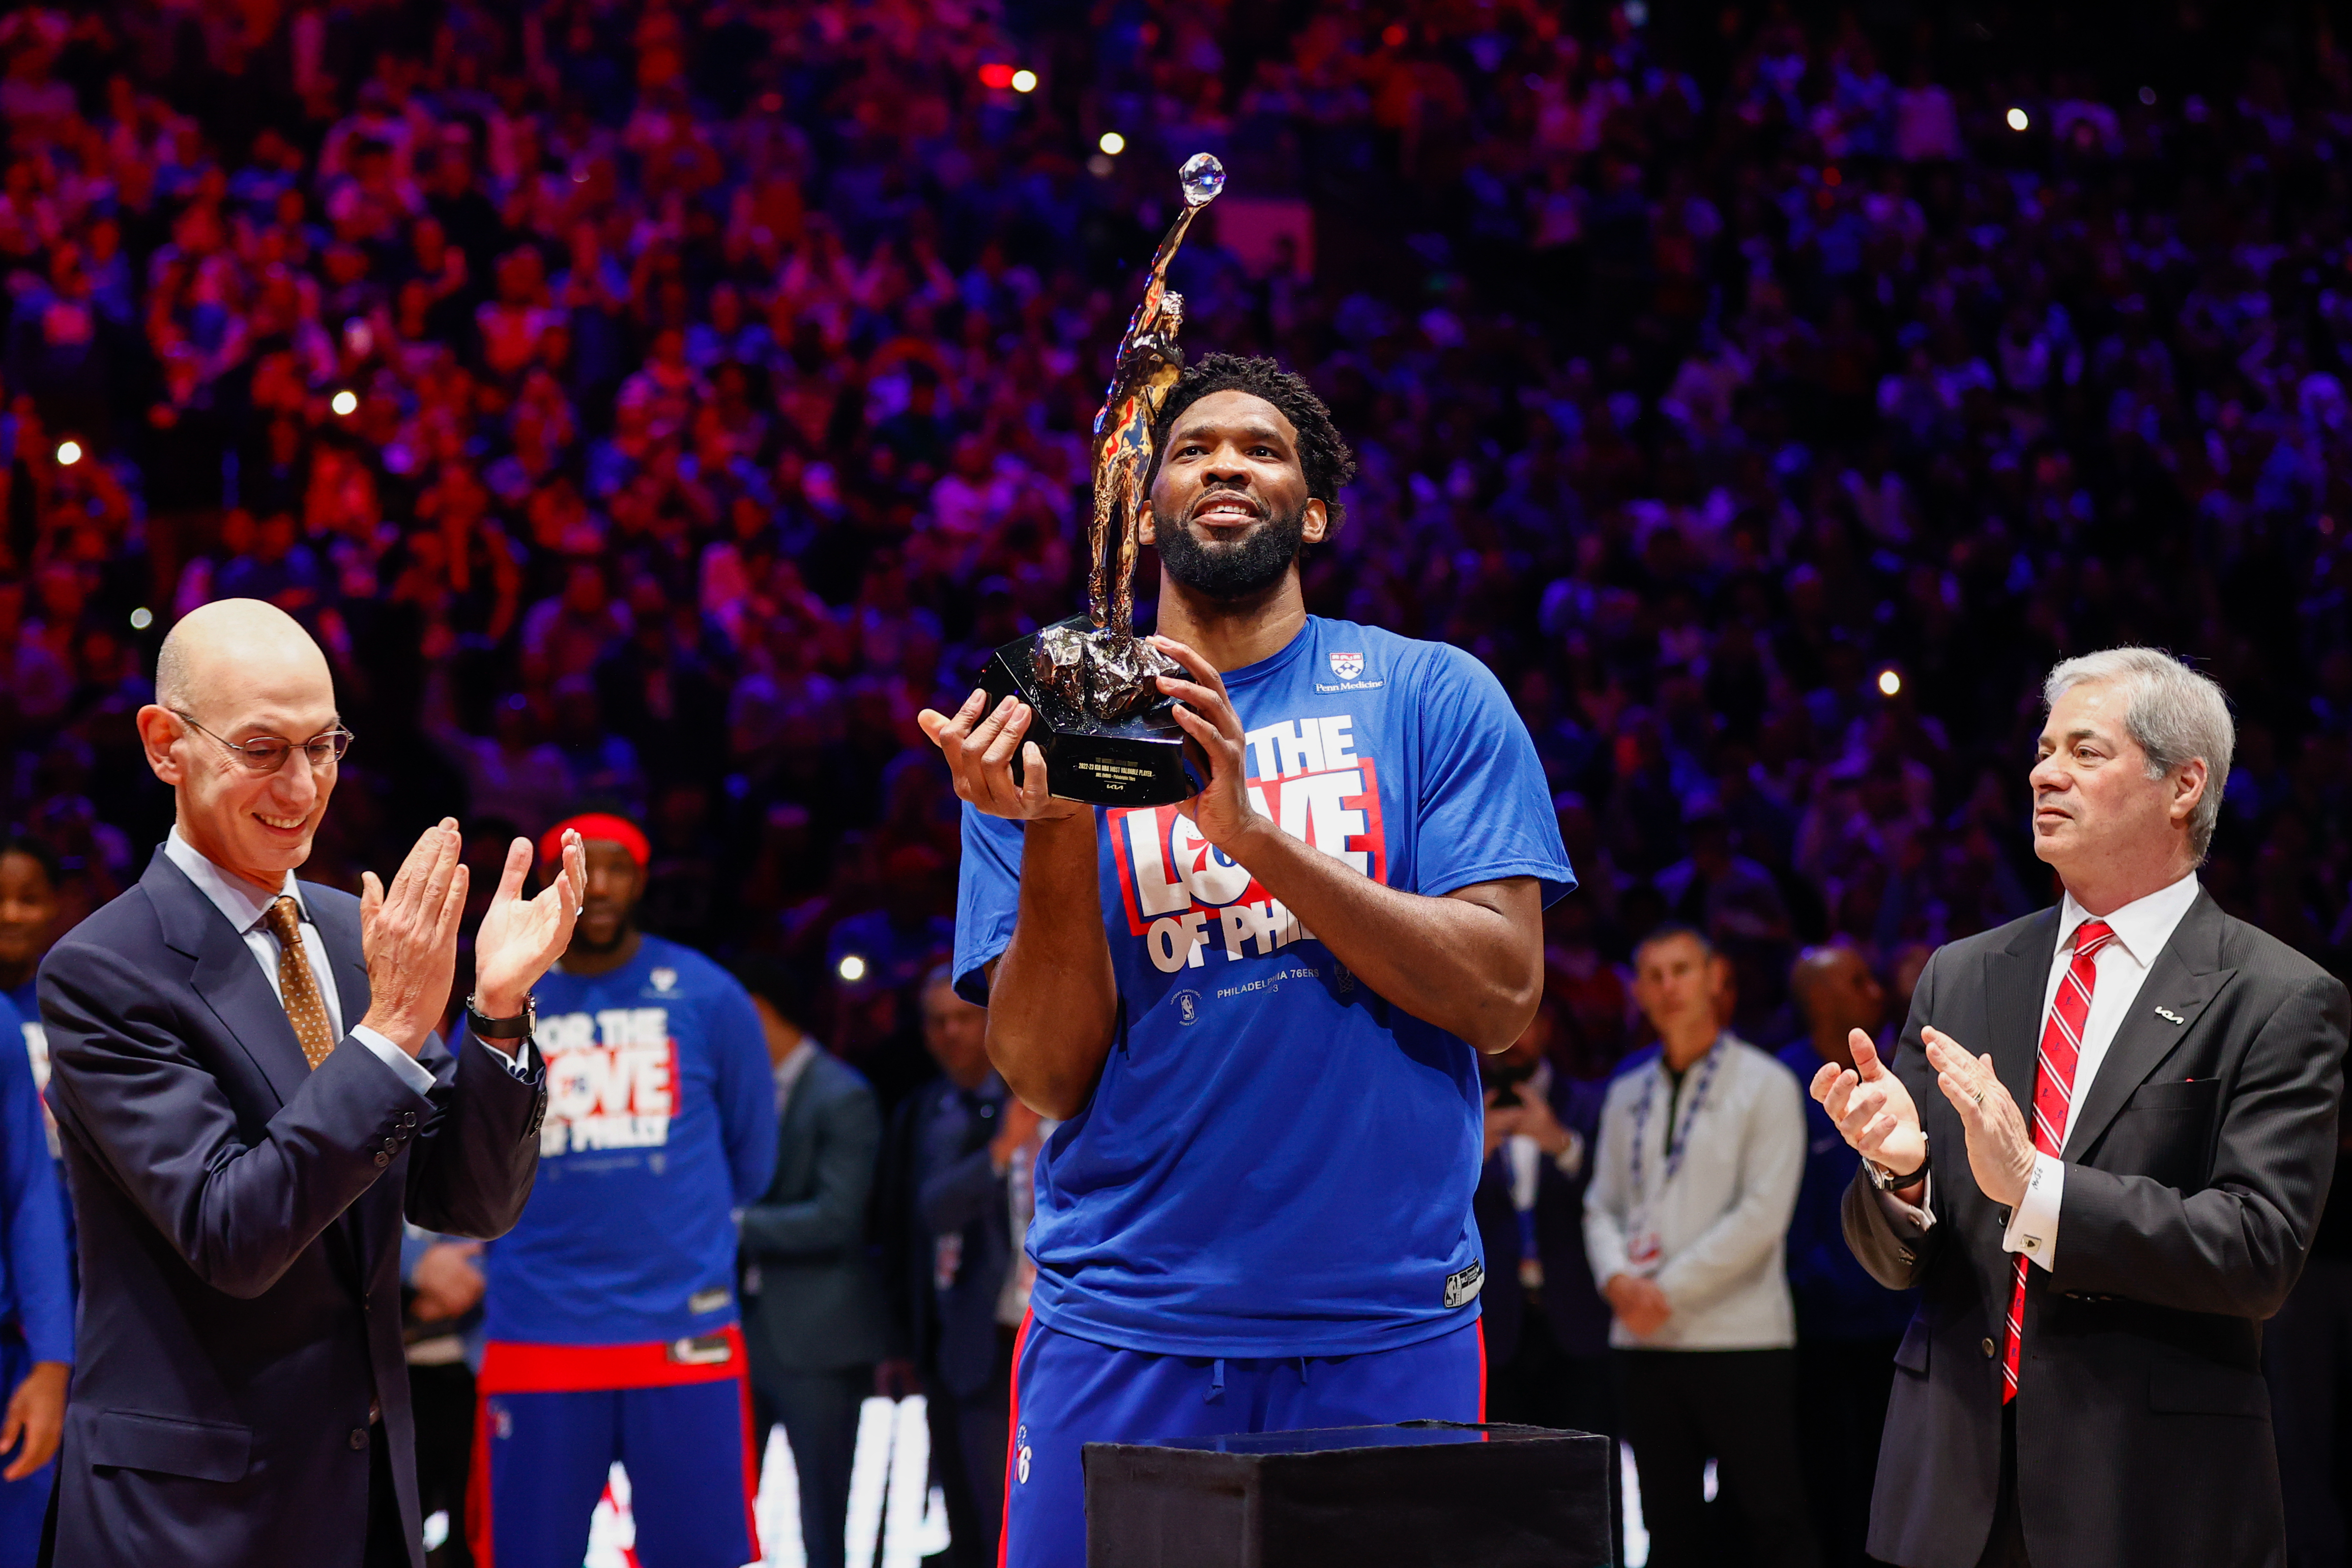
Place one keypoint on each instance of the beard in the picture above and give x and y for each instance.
(1242, 570)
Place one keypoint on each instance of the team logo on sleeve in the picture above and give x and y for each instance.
(611, 1079)
(1184, 897)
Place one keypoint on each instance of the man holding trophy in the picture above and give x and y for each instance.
(1294, 884)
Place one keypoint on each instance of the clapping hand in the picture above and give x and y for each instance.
(408, 937)
(521, 938)
(2000, 1145)
(1873, 1111)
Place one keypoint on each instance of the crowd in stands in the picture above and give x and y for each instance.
(652, 407)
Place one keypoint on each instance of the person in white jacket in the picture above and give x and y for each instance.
(1701, 1151)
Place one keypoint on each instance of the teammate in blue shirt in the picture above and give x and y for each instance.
(36, 1303)
(1256, 1013)
(611, 1318)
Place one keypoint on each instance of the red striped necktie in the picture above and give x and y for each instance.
(2054, 1090)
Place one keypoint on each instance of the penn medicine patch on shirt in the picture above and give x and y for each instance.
(1347, 666)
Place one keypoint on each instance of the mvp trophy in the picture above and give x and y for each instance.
(1102, 722)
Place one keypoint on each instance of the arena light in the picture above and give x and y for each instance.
(68, 454)
(1112, 142)
(852, 968)
(996, 76)
(141, 618)
(344, 403)
(1890, 683)
(2147, 97)
(1024, 81)
(2017, 119)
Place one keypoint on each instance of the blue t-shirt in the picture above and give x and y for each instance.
(661, 1122)
(1277, 1162)
(36, 1266)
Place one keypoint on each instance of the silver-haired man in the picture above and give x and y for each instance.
(2100, 1154)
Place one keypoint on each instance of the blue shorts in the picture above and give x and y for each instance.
(543, 1451)
(1069, 1392)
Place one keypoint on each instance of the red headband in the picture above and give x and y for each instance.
(597, 824)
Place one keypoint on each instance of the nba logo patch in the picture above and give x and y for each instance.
(1347, 666)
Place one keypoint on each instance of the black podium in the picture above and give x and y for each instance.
(1424, 1494)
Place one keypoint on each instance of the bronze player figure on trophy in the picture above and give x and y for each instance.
(1103, 725)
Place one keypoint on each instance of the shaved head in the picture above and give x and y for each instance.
(1836, 992)
(231, 673)
(206, 651)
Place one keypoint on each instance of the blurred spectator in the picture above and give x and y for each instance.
(813, 1314)
(442, 1285)
(1697, 1172)
(1847, 1323)
(972, 1148)
(2307, 1356)
(36, 1301)
(1547, 1327)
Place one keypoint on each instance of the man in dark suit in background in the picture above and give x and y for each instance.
(814, 1317)
(1547, 1327)
(1847, 1323)
(250, 1097)
(2102, 1208)
(963, 1292)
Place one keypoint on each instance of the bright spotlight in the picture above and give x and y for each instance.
(1112, 142)
(851, 968)
(1024, 81)
(1889, 682)
(141, 618)
(2017, 119)
(343, 403)
(68, 453)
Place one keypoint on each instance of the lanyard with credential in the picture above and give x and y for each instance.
(1677, 1138)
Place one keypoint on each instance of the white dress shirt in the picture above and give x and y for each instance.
(1722, 1222)
(247, 908)
(2142, 929)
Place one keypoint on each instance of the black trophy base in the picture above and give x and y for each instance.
(1135, 762)
(1424, 1493)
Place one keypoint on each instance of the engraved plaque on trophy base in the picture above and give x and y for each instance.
(1136, 760)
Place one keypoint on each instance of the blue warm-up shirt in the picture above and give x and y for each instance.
(36, 1292)
(661, 1122)
(1277, 1162)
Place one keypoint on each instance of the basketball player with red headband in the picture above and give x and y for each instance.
(612, 1323)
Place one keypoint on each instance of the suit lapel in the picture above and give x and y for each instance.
(2185, 977)
(2015, 980)
(226, 977)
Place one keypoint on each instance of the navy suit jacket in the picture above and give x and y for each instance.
(818, 1307)
(240, 1224)
(958, 1192)
(1573, 1307)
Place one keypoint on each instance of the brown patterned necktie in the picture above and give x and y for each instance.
(296, 982)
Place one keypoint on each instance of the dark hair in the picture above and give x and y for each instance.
(1323, 453)
(1668, 933)
(778, 984)
(41, 855)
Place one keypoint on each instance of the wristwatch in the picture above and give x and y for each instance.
(519, 1028)
(1886, 1181)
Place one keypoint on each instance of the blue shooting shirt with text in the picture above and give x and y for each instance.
(1277, 1162)
(661, 1122)
(36, 1292)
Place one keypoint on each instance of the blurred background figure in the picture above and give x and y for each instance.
(37, 1303)
(813, 1310)
(1696, 1173)
(1847, 1323)
(971, 1151)
(1547, 1327)
(614, 1331)
(441, 1290)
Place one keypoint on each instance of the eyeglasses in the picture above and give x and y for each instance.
(267, 754)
